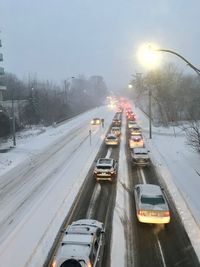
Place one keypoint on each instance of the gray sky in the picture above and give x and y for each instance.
(56, 39)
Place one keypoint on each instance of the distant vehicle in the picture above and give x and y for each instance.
(131, 124)
(140, 156)
(106, 169)
(136, 141)
(130, 116)
(81, 244)
(111, 140)
(151, 204)
(96, 121)
(135, 130)
(116, 131)
(116, 122)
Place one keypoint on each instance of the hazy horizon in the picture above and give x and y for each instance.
(55, 40)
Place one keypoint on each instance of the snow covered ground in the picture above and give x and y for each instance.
(29, 234)
(30, 222)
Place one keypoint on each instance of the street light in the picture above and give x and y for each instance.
(147, 57)
(178, 55)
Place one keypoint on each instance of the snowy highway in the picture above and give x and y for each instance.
(55, 184)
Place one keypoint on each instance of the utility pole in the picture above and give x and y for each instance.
(13, 120)
(150, 115)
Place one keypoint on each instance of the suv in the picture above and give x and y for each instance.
(106, 169)
(112, 140)
(81, 245)
(140, 156)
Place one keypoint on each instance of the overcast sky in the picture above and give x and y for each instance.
(56, 39)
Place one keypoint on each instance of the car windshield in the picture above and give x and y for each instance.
(152, 200)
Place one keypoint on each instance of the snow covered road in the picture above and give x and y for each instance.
(37, 194)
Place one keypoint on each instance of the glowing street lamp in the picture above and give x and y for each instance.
(148, 57)
(130, 86)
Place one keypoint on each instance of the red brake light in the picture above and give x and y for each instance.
(166, 213)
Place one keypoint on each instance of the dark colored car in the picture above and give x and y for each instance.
(106, 169)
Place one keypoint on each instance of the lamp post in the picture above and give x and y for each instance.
(13, 120)
(150, 115)
(178, 55)
(147, 58)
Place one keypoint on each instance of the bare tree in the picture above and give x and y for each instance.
(192, 131)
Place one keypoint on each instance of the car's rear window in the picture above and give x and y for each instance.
(104, 167)
(152, 200)
(111, 137)
(71, 263)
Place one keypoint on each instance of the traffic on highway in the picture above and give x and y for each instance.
(155, 235)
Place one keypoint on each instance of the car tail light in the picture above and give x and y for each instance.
(166, 214)
(141, 212)
(89, 264)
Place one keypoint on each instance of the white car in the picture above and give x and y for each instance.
(116, 131)
(135, 130)
(131, 124)
(81, 244)
(140, 156)
(136, 141)
(151, 204)
(112, 140)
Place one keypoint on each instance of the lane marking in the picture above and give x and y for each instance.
(109, 152)
(142, 175)
(95, 195)
(161, 253)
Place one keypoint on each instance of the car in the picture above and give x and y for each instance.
(111, 140)
(95, 121)
(151, 204)
(105, 169)
(136, 141)
(135, 130)
(140, 156)
(116, 131)
(116, 122)
(81, 244)
(130, 116)
(131, 124)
